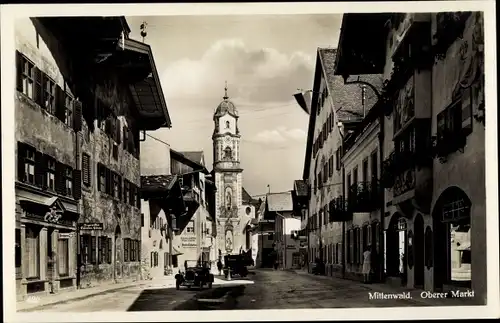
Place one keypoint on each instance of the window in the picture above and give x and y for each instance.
(68, 110)
(85, 249)
(117, 189)
(190, 227)
(126, 194)
(228, 125)
(133, 250)
(27, 163)
(115, 151)
(68, 179)
(102, 177)
(51, 174)
(49, 93)
(355, 175)
(25, 75)
(109, 251)
(365, 171)
(33, 251)
(18, 253)
(63, 257)
(126, 249)
(374, 167)
(104, 250)
(330, 166)
(86, 169)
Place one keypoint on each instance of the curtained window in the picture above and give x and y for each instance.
(33, 251)
(63, 257)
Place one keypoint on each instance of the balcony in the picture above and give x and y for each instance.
(364, 197)
(447, 143)
(338, 210)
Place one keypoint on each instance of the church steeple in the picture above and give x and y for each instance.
(225, 97)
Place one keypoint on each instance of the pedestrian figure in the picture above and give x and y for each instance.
(219, 267)
(367, 266)
(185, 265)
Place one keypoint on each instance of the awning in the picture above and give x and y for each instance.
(464, 246)
(176, 252)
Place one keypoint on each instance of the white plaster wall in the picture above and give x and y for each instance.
(222, 124)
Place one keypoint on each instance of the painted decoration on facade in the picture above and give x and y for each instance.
(229, 240)
(53, 215)
(228, 198)
(405, 105)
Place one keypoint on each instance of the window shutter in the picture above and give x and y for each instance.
(109, 180)
(21, 154)
(39, 169)
(120, 190)
(99, 250)
(38, 86)
(86, 169)
(99, 170)
(60, 98)
(467, 111)
(77, 184)
(77, 115)
(125, 137)
(138, 200)
(110, 244)
(19, 71)
(125, 253)
(60, 183)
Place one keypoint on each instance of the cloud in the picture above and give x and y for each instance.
(256, 75)
(280, 135)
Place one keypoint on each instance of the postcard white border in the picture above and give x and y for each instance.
(10, 12)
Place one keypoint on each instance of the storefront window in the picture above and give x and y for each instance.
(33, 251)
(18, 252)
(63, 254)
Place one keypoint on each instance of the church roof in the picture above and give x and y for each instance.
(277, 202)
(226, 107)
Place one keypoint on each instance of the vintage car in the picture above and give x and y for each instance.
(235, 265)
(197, 274)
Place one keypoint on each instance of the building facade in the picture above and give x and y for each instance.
(78, 177)
(333, 103)
(231, 215)
(432, 115)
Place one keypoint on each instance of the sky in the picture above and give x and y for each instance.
(264, 59)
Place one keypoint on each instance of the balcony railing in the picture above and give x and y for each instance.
(364, 197)
(339, 211)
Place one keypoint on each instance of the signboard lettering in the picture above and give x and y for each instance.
(91, 226)
(65, 235)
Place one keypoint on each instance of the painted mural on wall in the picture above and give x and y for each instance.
(229, 239)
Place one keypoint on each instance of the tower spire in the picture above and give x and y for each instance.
(225, 92)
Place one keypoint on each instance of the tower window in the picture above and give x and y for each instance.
(228, 153)
(227, 124)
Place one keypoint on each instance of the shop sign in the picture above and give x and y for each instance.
(65, 235)
(91, 226)
(188, 242)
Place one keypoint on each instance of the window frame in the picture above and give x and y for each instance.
(50, 173)
(68, 180)
(27, 76)
(49, 94)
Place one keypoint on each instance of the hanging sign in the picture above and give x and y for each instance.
(91, 226)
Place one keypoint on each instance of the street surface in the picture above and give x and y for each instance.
(263, 289)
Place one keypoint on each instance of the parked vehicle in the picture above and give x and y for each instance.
(235, 265)
(197, 274)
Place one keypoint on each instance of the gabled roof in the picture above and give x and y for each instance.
(347, 98)
(196, 156)
(279, 202)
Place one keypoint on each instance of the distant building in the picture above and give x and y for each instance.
(287, 224)
(78, 120)
(300, 197)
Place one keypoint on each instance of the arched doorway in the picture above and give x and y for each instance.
(117, 252)
(452, 240)
(418, 248)
(396, 248)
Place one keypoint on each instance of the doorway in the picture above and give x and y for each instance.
(452, 228)
(418, 246)
(117, 253)
(395, 248)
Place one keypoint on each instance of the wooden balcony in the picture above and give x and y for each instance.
(364, 197)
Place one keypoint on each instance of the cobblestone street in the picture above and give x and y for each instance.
(263, 289)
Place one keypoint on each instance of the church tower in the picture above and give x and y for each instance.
(228, 178)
